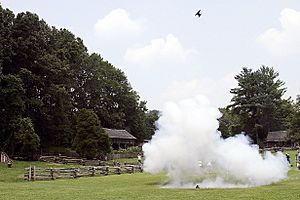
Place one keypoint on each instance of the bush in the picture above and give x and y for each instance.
(28, 142)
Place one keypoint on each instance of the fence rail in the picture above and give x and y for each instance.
(71, 160)
(34, 173)
(278, 149)
(80, 161)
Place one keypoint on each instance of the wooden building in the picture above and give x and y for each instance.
(120, 138)
(278, 139)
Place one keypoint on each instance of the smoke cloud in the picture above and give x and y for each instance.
(189, 149)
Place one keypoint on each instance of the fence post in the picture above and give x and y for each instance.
(105, 170)
(3, 157)
(51, 174)
(118, 170)
(93, 171)
(33, 173)
(29, 173)
(75, 173)
(141, 168)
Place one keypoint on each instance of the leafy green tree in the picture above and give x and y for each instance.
(135, 115)
(58, 116)
(29, 43)
(151, 117)
(295, 122)
(11, 109)
(284, 115)
(90, 140)
(106, 90)
(46, 72)
(6, 41)
(47, 75)
(27, 141)
(103, 87)
(229, 123)
(256, 99)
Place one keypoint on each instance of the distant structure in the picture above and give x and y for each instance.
(278, 139)
(120, 139)
(198, 13)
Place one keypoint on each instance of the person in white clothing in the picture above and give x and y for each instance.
(139, 157)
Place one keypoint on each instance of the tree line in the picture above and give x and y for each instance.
(53, 93)
(48, 81)
(258, 107)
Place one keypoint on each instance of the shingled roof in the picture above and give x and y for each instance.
(119, 134)
(278, 136)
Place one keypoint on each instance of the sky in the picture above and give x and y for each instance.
(167, 53)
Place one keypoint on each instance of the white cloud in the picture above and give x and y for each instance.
(287, 40)
(117, 24)
(161, 51)
(217, 90)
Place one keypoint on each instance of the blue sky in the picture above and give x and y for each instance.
(168, 54)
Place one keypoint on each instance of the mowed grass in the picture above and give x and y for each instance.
(131, 186)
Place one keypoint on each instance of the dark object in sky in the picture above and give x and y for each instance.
(198, 13)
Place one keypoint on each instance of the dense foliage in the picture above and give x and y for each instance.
(295, 121)
(47, 76)
(90, 139)
(258, 106)
(27, 141)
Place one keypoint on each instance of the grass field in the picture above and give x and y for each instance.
(131, 186)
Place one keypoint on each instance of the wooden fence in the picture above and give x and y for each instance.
(278, 149)
(5, 159)
(115, 156)
(34, 173)
(71, 160)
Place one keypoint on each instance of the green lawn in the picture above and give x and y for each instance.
(131, 186)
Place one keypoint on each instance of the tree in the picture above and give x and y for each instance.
(229, 123)
(295, 122)
(135, 115)
(11, 109)
(29, 37)
(102, 88)
(106, 90)
(284, 115)
(27, 141)
(152, 117)
(90, 140)
(256, 99)
(57, 112)
(6, 41)
(47, 75)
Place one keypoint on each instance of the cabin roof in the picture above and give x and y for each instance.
(278, 136)
(119, 134)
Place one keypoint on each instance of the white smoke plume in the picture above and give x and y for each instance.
(189, 149)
